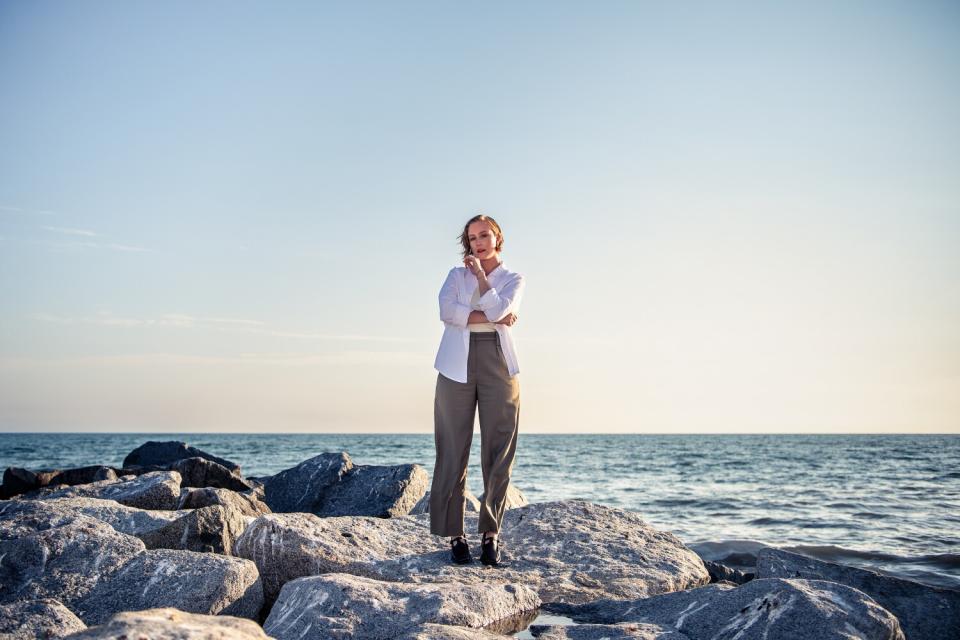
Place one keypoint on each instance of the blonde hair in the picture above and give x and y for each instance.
(465, 236)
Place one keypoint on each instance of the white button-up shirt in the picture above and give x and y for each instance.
(503, 297)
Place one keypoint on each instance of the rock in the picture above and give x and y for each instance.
(30, 619)
(721, 573)
(760, 609)
(49, 554)
(83, 475)
(447, 632)
(623, 630)
(515, 497)
(172, 624)
(199, 472)
(155, 490)
(124, 519)
(471, 504)
(384, 492)
(292, 545)
(568, 551)
(212, 529)
(193, 582)
(164, 453)
(924, 612)
(301, 489)
(342, 605)
(17, 481)
(247, 503)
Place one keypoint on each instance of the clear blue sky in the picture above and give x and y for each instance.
(228, 216)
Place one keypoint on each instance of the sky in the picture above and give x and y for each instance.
(236, 216)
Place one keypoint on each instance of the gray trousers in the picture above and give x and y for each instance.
(490, 389)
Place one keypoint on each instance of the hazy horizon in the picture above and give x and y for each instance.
(236, 218)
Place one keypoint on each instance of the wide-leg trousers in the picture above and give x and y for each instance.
(489, 389)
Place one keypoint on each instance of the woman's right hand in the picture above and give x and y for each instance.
(508, 320)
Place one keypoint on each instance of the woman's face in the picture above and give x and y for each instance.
(483, 241)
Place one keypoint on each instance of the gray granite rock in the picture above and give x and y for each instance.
(621, 631)
(247, 503)
(381, 491)
(569, 551)
(342, 605)
(193, 582)
(200, 472)
(471, 504)
(37, 619)
(431, 631)
(163, 453)
(173, 624)
(925, 613)
(291, 545)
(53, 555)
(155, 490)
(124, 519)
(301, 489)
(213, 529)
(759, 610)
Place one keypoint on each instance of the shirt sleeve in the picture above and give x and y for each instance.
(497, 304)
(451, 310)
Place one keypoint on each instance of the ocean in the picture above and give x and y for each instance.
(885, 502)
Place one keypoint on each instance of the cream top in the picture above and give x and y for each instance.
(479, 327)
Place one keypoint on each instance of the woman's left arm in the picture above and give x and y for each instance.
(496, 304)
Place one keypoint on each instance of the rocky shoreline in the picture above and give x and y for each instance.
(177, 543)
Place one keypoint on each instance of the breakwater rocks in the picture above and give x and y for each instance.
(178, 544)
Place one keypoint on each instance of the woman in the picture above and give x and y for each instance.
(477, 366)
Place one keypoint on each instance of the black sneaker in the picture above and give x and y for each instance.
(490, 551)
(460, 550)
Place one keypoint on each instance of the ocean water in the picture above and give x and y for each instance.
(886, 502)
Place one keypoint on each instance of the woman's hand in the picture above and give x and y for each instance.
(508, 320)
(473, 263)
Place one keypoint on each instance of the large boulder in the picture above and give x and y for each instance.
(471, 503)
(758, 610)
(301, 489)
(925, 613)
(384, 492)
(213, 529)
(32, 619)
(248, 503)
(193, 582)
(342, 605)
(173, 624)
(155, 490)
(49, 554)
(200, 472)
(164, 453)
(568, 551)
(286, 546)
(124, 519)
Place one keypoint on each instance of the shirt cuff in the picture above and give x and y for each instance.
(488, 299)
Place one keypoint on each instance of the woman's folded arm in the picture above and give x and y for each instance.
(496, 304)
